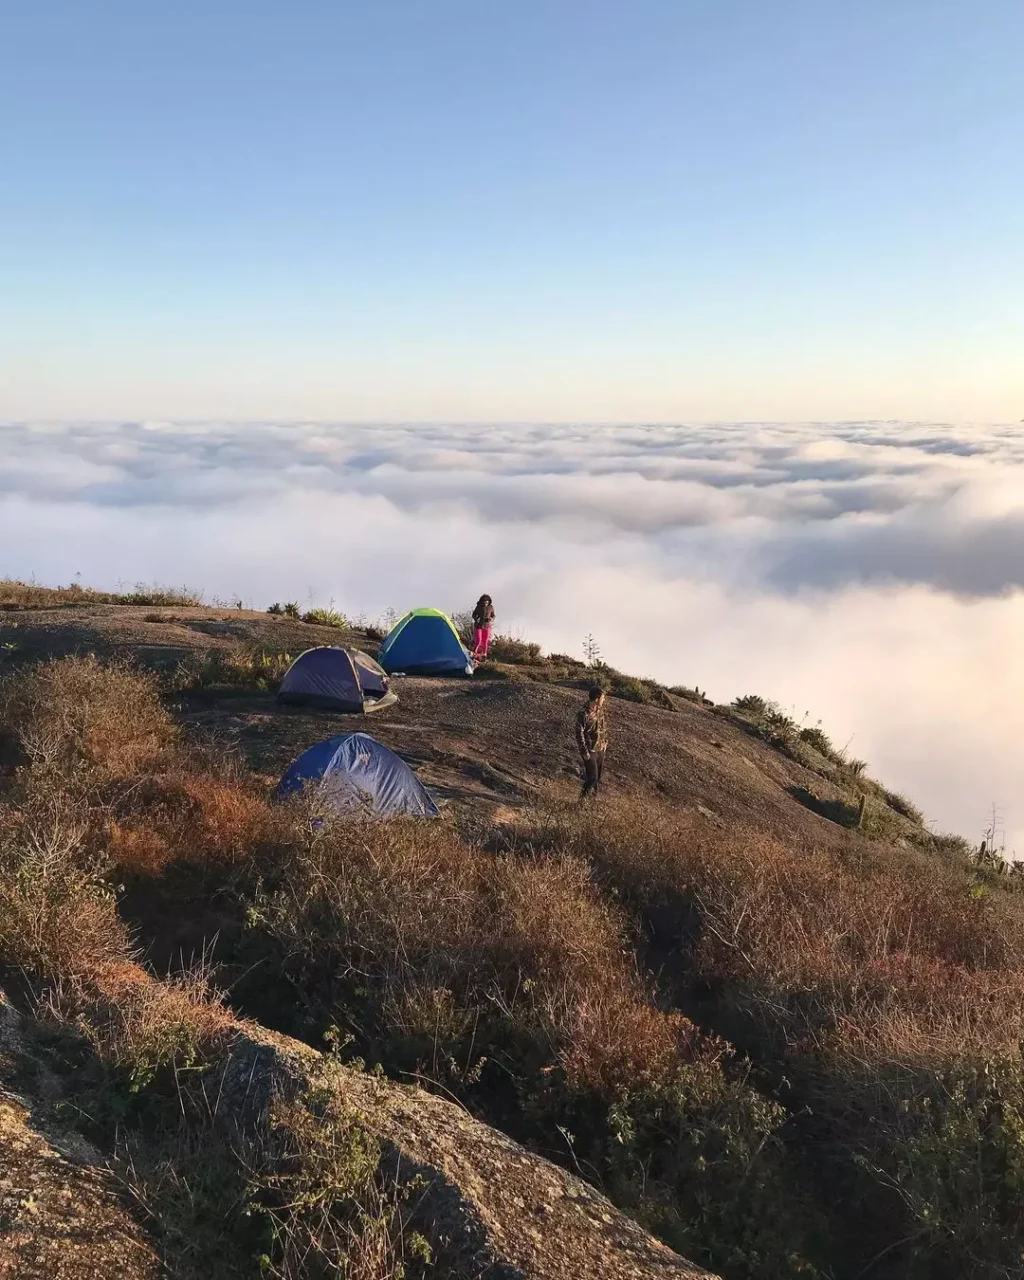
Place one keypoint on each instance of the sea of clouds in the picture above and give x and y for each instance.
(869, 575)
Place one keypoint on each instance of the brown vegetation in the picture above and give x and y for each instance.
(887, 991)
(30, 595)
(790, 1058)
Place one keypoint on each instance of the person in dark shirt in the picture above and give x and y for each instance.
(592, 740)
(483, 621)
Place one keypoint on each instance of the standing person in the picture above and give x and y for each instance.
(483, 621)
(592, 740)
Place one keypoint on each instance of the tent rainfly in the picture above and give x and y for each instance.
(355, 773)
(425, 643)
(336, 679)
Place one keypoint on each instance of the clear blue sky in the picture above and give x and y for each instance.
(653, 209)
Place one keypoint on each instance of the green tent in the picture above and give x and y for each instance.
(425, 643)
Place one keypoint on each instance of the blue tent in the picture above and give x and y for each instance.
(354, 773)
(425, 643)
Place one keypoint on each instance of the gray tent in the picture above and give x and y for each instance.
(336, 679)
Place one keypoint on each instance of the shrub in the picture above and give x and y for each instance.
(193, 817)
(903, 806)
(325, 618)
(318, 1180)
(648, 692)
(80, 711)
(700, 1160)
(506, 981)
(751, 704)
(690, 695)
(511, 649)
(954, 1148)
(864, 982)
(181, 597)
(816, 737)
(144, 1028)
(242, 668)
(951, 846)
(291, 609)
(57, 914)
(276, 609)
(563, 660)
(462, 621)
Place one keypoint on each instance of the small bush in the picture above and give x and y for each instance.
(57, 914)
(191, 817)
(104, 716)
(243, 668)
(634, 689)
(325, 618)
(564, 660)
(462, 621)
(147, 1029)
(951, 846)
(276, 609)
(331, 1209)
(816, 737)
(511, 649)
(688, 694)
(751, 704)
(291, 609)
(903, 806)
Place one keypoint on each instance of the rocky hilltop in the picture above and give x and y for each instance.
(745, 1010)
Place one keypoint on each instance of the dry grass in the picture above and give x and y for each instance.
(185, 816)
(510, 982)
(886, 989)
(773, 918)
(80, 712)
(30, 595)
(415, 911)
(299, 1195)
(241, 668)
(57, 916)
(880, 992)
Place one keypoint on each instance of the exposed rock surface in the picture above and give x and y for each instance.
(60, 1218)
(511, 1215)
(505, 1213)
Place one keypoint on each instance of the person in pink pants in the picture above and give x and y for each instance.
(483, 621)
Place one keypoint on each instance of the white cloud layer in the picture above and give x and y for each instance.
(869, 573)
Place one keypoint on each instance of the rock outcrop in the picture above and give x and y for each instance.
(60, 1217)
(504, 1213)
(510, 1214)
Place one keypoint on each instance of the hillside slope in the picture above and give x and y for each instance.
(483, 742)
(747, 995)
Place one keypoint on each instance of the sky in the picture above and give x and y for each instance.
(579, 210)
(696, 325)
